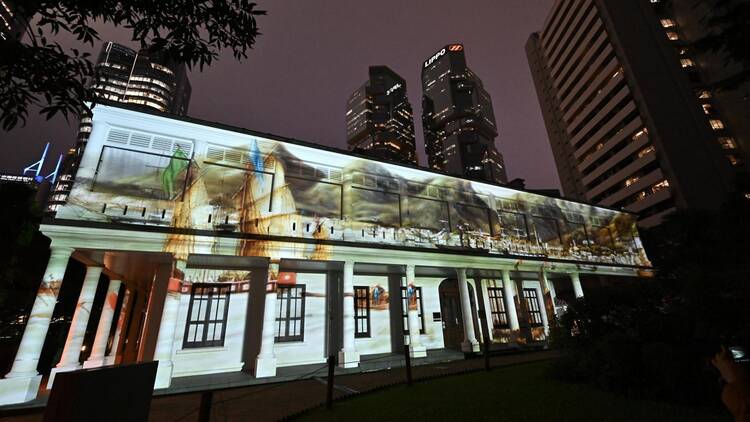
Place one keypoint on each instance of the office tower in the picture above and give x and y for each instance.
(457, 118)
(379, 120)
(12, 20)
(146, 78)
(625, 114)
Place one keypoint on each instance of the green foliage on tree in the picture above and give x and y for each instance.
(38, 72)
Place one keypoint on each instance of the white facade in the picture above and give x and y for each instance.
(280, 263)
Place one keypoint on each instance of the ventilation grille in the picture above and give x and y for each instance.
(375, 182)
(314, 171)
(153, 143)
(237, 157)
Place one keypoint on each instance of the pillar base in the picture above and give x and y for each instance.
(19, 390)
(163, 374)
(348, 359)
(265, 366)
(417, 351)
(469, 347)
(94, 363)
(57, 370)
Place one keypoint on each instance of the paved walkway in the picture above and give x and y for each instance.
(270, 402)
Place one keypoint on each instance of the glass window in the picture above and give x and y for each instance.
(727, 142)
(667, 23)
(207, 316)
(672, 36)
(141, 174)
(411, 298)
(512, 225)
(372, 206)
(497, 307)
(361, 311)
(226, 187)
(425, 213)
(716, 124)
(290, 317)
(547, 230)
(470, 218)
(531, 297)
(314, 198)
(602, 235)
(685, 62)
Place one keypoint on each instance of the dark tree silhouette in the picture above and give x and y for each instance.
(37, 71)
(728, 34)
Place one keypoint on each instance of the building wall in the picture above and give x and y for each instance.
(210, 360)
(380, 318)
(312, 349)
(161, 172)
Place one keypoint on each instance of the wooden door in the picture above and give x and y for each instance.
(450, 309)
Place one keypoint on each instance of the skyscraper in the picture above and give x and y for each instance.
(145, 78)
(625, 112)
(457, 118)
(379, 120)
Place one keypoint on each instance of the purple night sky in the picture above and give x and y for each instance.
(312, 55)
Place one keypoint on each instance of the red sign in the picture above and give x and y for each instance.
(287, 278)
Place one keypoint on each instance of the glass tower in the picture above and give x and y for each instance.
(379, 119)
(458, 120)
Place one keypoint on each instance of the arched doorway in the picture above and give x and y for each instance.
(450, 310)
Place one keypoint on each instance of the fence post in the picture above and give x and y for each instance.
(407, 358)
(487, 353)
(207, 398)
(329, 384)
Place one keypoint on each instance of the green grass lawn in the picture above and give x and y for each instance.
(516, 393)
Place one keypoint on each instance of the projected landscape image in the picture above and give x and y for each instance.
(267, 187)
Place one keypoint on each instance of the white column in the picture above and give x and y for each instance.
(265, 363)
(21, 384)
(549, 286)
(165, 339)
(470, 343)
(577, 288)
(72, 351)
(348, 356)
(509, 292)
(541, 291)
(99, 348)
(416, 349)
(111, 358)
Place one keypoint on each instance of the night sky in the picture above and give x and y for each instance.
(313, 54)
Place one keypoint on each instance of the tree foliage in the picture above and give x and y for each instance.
(728, 34)
(38, 71)
(653, 339)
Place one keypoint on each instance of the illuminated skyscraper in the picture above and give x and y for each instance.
(379, 120)
(631, 122)
(145, 78)
(458, 120)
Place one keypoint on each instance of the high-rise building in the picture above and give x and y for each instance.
(12, 20)
(145, 78)
(629, 122)
(457, 118)
(379, 120)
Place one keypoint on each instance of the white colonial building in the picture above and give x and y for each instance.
(227, 250)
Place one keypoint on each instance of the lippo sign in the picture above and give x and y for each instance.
(441, 53)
